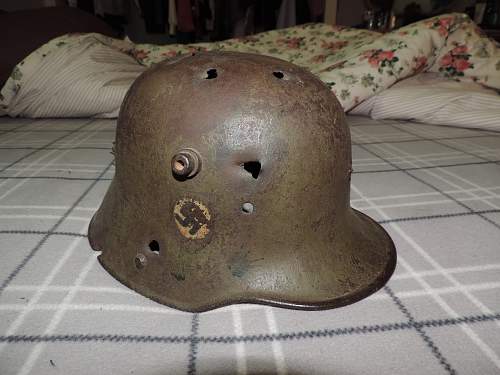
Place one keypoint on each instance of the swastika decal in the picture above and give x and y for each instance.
(192, 218)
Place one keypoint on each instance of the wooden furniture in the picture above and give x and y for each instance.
(331, 12)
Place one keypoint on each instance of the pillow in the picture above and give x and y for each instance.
(23, 32)
(74, 75)
(433, 99)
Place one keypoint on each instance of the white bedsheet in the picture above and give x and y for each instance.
(435, 189)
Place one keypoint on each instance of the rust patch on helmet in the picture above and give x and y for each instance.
(192, 218)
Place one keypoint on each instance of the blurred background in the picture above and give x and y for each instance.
(187, 21)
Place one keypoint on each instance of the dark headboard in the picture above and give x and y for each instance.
(24, 31)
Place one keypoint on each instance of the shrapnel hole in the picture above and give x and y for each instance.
(247, 207)
(252, 167)
(278, 74)
(154, 246)
(211, 74)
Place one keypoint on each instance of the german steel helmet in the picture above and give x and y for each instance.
(232, 185)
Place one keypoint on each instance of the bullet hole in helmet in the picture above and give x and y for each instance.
(278, 74)
(211, 74)
(247, 208)
(252, 167)
(154, 246)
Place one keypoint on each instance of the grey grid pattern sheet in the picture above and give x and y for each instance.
(435, 189)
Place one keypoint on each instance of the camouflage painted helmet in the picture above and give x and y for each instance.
(232, 185)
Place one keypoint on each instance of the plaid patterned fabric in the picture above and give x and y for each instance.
(435, 189)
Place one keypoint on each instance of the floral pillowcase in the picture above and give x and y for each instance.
(354, 63)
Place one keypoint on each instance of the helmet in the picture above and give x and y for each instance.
(231, 185)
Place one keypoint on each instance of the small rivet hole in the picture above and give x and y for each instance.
(211, 74)
(247, 207)
(278, 74)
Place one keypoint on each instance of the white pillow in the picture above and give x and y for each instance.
(433, 99)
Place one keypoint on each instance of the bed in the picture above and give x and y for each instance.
(88, 74)
(435, 189)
